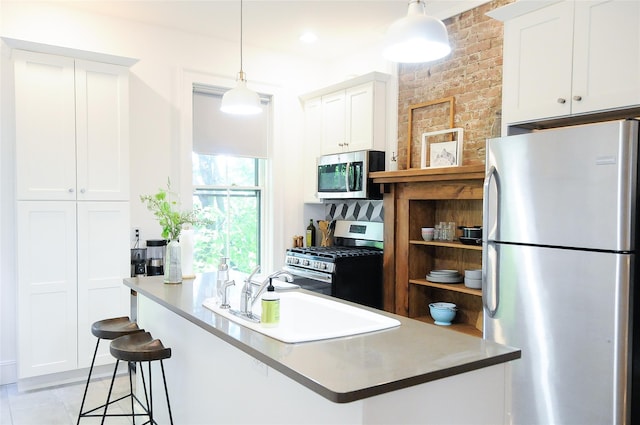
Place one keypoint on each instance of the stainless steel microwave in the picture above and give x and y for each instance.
(346, 175)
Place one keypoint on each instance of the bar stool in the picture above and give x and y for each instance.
(109, 329)
(140, 347)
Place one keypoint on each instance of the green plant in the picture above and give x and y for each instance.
(168, 213)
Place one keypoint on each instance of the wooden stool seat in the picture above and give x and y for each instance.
(114, 328)
(139, 347)
(108, 329)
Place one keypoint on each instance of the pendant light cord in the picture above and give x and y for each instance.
(241, 71)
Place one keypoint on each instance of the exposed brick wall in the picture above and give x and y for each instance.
(472, 74)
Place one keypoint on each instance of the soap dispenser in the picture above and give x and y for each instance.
(223, 276)
(270, 316)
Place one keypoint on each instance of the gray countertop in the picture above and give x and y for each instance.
(342, 369)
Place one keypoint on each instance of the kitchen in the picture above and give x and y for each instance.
(157, 96)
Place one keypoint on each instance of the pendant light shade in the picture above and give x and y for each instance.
(241, 100)
(416, 37)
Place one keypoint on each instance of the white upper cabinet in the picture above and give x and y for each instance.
(354, 119)
(351, 115)
(72, 134)
(570, 58)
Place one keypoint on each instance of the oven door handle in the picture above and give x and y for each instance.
(309, 274)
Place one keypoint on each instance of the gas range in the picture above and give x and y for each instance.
(350, 270)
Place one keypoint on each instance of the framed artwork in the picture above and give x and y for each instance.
(445, 103)
(442, 153)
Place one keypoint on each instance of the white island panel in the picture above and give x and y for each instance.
(214, 380)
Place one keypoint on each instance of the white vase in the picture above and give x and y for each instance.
(172, 263)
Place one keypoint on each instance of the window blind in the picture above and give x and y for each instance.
(218, 133)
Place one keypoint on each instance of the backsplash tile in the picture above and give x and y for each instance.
(366, 210)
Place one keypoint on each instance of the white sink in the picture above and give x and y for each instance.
(305, 317)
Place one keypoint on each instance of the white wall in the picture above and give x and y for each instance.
(160, 117)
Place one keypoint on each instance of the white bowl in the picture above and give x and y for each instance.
(427, 233)
(473, 283)
(473, 274)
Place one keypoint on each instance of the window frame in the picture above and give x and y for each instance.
(259, 188)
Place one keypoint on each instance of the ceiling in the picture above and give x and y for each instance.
(342, 26)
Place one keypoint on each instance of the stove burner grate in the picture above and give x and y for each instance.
(333, 252)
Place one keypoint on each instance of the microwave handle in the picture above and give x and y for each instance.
(347, 180)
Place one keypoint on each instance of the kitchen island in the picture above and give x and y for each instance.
(223, 372)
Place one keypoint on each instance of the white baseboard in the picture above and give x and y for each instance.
(8, 372)
(69, 377)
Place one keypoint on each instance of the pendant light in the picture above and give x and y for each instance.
(241, 100)
(417, 37)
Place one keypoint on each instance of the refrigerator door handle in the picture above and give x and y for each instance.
(493, 290)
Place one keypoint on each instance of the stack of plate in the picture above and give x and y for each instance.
(444, 276)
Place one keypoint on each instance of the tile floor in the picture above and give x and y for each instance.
(60, 405)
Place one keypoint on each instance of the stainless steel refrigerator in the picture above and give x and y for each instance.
(560, 232)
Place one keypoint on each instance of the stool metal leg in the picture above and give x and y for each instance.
(95, 352)
(113, 378)
(151, 420)
(133, 417)
(166, 392)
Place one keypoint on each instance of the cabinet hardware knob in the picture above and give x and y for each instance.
(577, 98)
(82, 190)
(562, 100)
(70, 190)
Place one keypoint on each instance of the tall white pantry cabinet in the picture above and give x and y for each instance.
(72, 192)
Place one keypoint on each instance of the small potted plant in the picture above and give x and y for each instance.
(167, 210)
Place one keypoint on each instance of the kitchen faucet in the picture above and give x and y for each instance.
(248, 298)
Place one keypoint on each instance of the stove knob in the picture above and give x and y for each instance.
(305, 262)
(297, 261)
(323, 266)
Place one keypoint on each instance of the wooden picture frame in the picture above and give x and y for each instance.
(449, 100)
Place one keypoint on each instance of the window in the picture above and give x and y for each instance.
(228, 190)
(228, 159)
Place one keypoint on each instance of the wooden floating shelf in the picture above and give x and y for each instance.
(454, 244)
(455, 287)
(458, 327)
(465, 172)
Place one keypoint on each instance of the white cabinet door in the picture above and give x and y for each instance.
(366, 120)
(312, 143)
(537, 64)
(333, 123)
(103, 261)
(606, 70)
(47, 322)
(102, 110)
(359, 117)
(45, 126)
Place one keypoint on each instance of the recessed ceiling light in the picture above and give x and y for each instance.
(308, 37)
